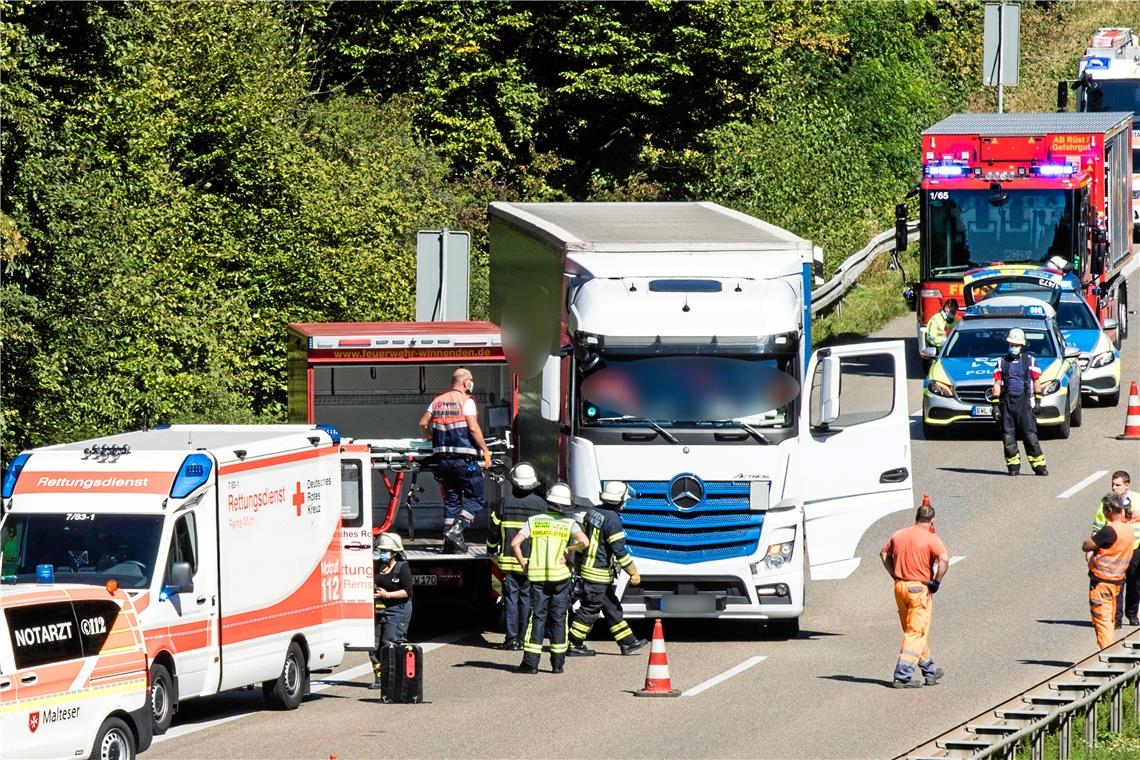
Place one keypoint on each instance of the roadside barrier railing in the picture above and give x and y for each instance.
(831, 292)
(1048, 708)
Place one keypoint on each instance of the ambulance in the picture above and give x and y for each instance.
(246, 549)
(73, 673)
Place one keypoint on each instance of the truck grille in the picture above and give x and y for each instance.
(721, 526)
(972, 394)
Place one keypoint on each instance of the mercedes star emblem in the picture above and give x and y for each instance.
(686, 492)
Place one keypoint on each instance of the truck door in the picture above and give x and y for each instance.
(854, 458)
(356, 552)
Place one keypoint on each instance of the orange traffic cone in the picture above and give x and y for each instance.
(657, 682)
(1132, 418)
(926, 500)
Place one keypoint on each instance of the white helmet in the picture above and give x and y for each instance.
(389, 542)
(1060, 263)
(1016, 337)
(614, 492)
(559, 497)
(523, 476)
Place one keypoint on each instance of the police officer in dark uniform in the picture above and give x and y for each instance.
(605, 551)
(1017, 391)
(451, 424)
(511, 514)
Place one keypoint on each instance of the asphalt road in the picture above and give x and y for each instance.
(1012, 612)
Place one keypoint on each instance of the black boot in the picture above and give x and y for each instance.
(1040, 470)
(1014, 469)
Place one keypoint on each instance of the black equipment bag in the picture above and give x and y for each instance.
(401, 676)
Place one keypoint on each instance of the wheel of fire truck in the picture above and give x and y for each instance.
(1121, 315)
(162, 698)
(932, 432)
(286, 691)
(1078, 414)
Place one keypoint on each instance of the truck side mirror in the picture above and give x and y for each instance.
(1062, 96)
(181, 578)
(901, 213)
(1099, 252)
(829, 390)
(551, 404)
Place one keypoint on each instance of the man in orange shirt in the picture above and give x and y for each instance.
(917, 560)
(1110, 551)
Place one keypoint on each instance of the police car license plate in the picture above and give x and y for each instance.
(982, 411)
(425, 580)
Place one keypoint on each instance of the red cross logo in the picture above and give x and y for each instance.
(298, 498)
(33, 721)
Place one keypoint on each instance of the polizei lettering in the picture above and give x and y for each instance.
(42, 634)
(241, 502)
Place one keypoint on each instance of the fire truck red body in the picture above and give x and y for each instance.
(1024, 188)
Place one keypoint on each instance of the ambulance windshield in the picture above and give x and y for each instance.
(80, 547)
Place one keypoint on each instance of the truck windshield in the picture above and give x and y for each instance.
(1112, 95)
(81, 547)
(965, 229)
(689, 391)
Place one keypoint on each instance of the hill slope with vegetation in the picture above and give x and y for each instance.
(183, 179)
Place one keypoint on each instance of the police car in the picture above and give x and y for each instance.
(1099, 359)
(957, 390)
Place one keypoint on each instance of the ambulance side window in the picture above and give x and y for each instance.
(184, 547)
(351, 495)
(43, 634)
(96, 619)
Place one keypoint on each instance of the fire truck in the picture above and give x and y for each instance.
(372, 381)
(1026, 188)
(1108, 79)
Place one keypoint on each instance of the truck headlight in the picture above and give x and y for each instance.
(1102, 359)
(939, 388)
(778, 555)
(1051, 388)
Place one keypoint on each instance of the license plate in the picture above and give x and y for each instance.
(689, 603)
(425, 580)
(982, 411)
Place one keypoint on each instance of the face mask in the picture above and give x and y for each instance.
(1015, 350)
(470, 386)
(384, 556)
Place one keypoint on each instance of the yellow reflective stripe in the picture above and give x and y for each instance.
(619, 536)
(596, 574)
(625, 561)
(89, 692)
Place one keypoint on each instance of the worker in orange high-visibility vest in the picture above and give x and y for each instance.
(1110, 551)
(917, 560)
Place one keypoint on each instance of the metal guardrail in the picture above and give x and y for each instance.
(1047, 708)
(832, 291)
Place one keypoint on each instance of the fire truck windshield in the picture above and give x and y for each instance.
(965, 229)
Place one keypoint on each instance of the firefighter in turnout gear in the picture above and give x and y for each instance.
(512, 513)
(548, 569)
(604, 554)
(1017, 391)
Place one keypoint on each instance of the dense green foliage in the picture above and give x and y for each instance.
(182, 179)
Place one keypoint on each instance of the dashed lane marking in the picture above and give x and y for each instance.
(724, 676)
(955, 560)
(1083, 484)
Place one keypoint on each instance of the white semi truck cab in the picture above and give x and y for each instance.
(667, 345)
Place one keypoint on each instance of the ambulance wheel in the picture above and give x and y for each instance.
(161, 698)
(115, 741)
(1078, 415)
(287, 690)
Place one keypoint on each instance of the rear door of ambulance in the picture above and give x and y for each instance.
(356, 585)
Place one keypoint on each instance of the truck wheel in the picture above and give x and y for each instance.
(1121, 316)
(1077, 416)
(115, 741)
(931, 432)
(286, 691)
(161, 698)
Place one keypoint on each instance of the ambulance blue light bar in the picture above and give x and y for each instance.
(194, 473)
(1029, 312)
(12, 474)
(1055, 170)
(332, 431)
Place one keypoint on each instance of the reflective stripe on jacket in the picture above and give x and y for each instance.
(549, 535)
(1110, 564)
(449, 434)
(511, 514)
(607, 545)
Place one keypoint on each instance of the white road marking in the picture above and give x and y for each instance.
(724, 676)
(316, 685)
(954, 560)
(1083, 484)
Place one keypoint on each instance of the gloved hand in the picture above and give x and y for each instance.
(1037, 405)
(933, 586)
(634, 576)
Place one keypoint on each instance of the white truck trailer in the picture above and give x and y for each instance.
(247, 549)
(668, 345)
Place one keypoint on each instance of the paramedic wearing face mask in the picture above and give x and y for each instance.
(451, 424)
(1017, 390)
